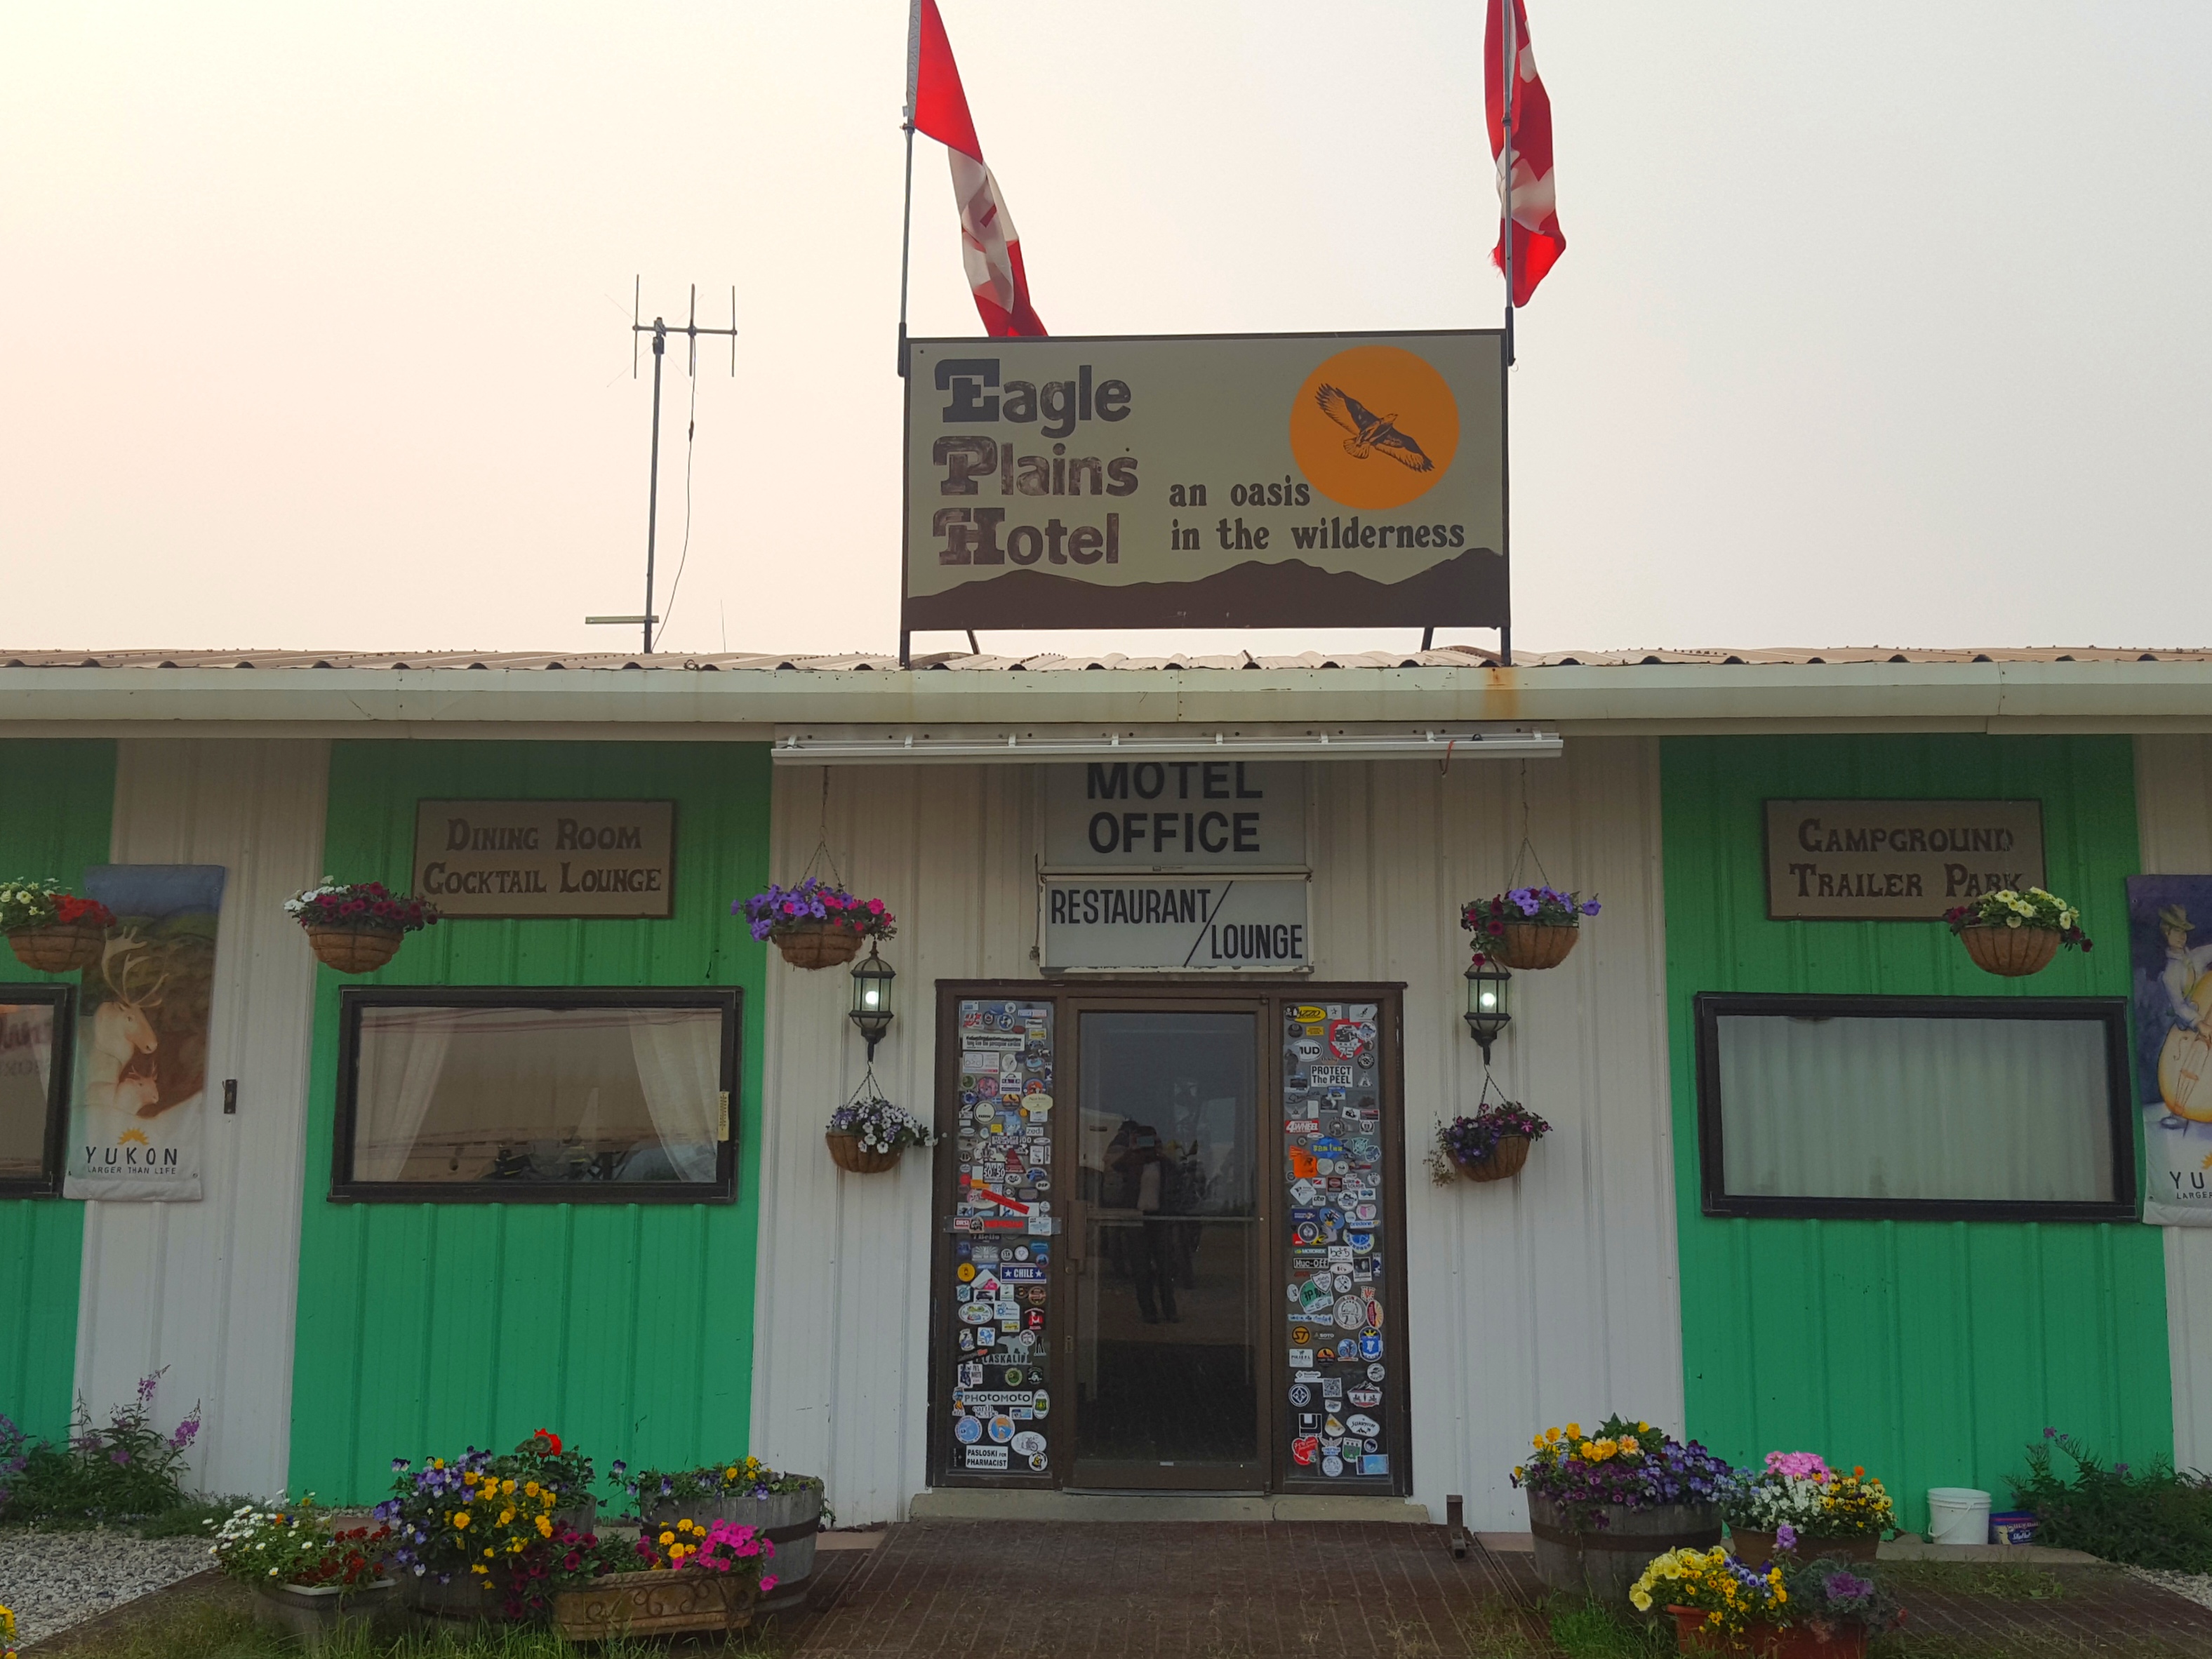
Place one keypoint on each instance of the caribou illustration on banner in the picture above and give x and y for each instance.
(122, 1035)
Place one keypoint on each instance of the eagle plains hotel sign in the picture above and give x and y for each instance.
(1206, 482)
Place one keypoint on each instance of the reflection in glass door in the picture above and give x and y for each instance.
(1168, 1251)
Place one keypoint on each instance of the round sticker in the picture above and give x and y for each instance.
(1301, 1335)
(1002, 1430)
(1351, 1313)
(967, 1431)
(1028, 1442)
(1332, 1464)
(1041, 1405)
(1039, 1462)
(967, 1271)
(1374, 1373)
(1014, 1381)
(987, 1086)
(1362, 1424)
(1301, 1395)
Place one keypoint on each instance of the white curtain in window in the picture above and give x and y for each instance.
(679, 1065)
(1851, 1106)
(403, 1055)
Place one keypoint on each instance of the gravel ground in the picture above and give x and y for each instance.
(2197, 1586)
(56, 1579)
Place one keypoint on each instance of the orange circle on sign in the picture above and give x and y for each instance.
(1375, 426)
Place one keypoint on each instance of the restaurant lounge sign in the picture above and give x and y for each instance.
(1896, 860)
(546, 858)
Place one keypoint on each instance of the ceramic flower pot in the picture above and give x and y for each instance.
(318, 1615)
(847, 1153)
(792, 1521)
(1770, 1641)
(354, 950)
(1504, 1163)
(61, 947)
(685, 1601)
(2015, 952)
(1531, 944)
(816, 944)
(1605, 1562)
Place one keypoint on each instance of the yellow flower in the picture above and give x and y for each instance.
(469, 1479)
(508, 1487)
(544, 1526)
(1574, 1431)
(666, 1539)
(530, 1488)
(460, 1517)
(1551, 1435)
(730, 1474)
(1630, 1446)
(1538, 1442)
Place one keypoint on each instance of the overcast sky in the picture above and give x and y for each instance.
(1878, 323)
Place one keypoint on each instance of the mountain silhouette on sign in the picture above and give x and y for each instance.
(1466, 592)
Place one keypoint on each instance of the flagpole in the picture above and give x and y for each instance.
(1505, 18)
(906, 234)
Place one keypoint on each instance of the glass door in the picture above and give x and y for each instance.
(1168, 1250)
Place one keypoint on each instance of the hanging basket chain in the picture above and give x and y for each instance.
(822, 852)
(1528, 852)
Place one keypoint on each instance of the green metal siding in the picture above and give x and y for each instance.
(57, 802)
(1930, 1351)
(626, 1328)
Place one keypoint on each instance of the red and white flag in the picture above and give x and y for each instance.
(988, 245)
(1538, 242)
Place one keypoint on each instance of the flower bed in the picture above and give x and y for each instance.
(479, 1533)
(310, 1579)
(787, 1510)
(1798, 1505)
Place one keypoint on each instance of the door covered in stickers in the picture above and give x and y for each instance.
(1168, 1249)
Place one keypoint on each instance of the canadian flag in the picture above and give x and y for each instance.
(1527, 193)
(988, 244)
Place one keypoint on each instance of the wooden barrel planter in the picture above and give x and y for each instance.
(683, 1601)
(318, 1615)
(61, 948)
(1531, 944)
(849, 1154)
(792, 1521)
(1504, 1163)
(1605, 1563)
(1759, 1549)
(2013, 952)
(354, 950)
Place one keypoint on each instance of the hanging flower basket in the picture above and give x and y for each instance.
(866, 1136)
(816, 924)
(51, 930)
(1492, 1145)
(849, 1154)
(1531, 927)
(356, 927)
(2015, 934)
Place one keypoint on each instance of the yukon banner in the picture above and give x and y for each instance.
(1239, 481)
(142, 1036)
(2170, 987)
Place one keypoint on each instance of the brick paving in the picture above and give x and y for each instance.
(1300, 1590)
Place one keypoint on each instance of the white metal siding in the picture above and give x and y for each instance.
(2173, 815)
(208, 1289)
(1531, 1302)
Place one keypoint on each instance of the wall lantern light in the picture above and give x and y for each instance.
(1489, 1002)
(871, 1000)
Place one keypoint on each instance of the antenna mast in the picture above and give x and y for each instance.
(659, 330)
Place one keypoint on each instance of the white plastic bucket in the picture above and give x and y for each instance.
(1958, 1514)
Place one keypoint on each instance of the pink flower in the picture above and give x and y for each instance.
(767, 1583)
(1799, 1466)
(875, 906)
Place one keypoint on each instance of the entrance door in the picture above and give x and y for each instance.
(1169, 1250)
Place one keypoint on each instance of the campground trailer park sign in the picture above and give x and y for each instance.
(1238, 480)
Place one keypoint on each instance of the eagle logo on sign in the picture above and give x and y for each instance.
(1370, 432)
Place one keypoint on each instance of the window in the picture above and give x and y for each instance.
(514, 1095)
(1999, 1108)
(35, 1028)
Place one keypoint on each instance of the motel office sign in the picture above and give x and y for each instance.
(1175, 866)
(1896, 860)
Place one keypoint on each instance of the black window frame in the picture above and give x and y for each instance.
(61, 1075)
(353, 998)
(2112, 1012)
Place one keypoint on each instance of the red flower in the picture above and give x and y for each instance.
(552, 1440)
